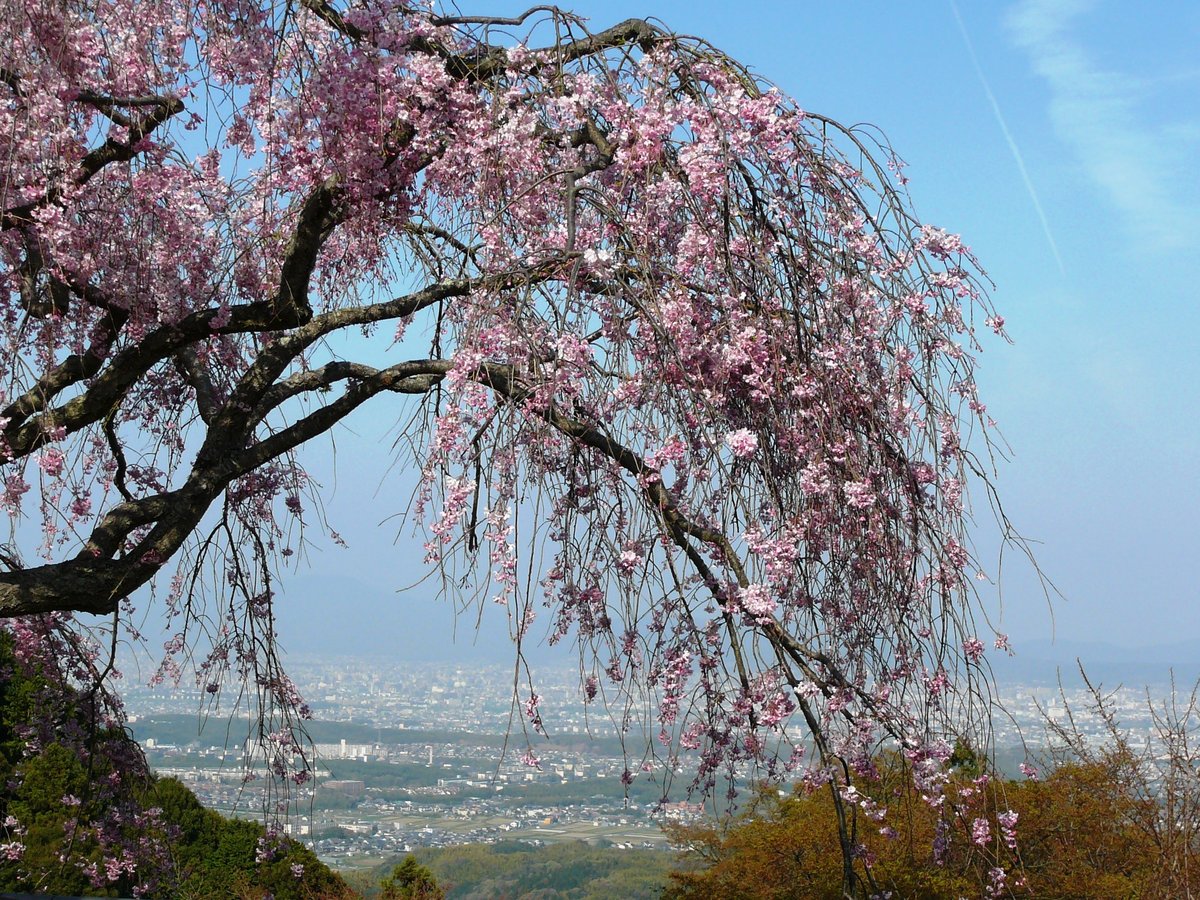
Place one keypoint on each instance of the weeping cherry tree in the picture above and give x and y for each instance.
(679, 374)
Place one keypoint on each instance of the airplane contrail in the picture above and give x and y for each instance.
(1012, 144)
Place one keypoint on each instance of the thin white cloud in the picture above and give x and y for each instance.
(1144, 169)
(1012, 144)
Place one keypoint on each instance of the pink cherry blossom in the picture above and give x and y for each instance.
(51, 462)
(981, 832)
(743, 442)
(973, 649)
(756, 600)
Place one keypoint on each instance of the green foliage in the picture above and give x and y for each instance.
(48, 792)
(411, 881)
(36, 801)
(570, 870)
(967, 761)
(221, 857)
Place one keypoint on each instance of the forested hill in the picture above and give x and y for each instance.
(565, 871)
(80, 814)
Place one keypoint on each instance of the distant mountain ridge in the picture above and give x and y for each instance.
(1043, 661)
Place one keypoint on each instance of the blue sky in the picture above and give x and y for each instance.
(1060, 138)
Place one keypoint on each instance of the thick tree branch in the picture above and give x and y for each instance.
(319, 215)
(93, 583)
(631, 31)
(414, 377)
(12, 80)
(95, 586)
(191, 369)
(75, 368)
(333, 18)
(495, 20)
(25, 434)
(251, 400)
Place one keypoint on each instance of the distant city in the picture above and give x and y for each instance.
(429, 755)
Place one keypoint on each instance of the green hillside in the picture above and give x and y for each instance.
(565, 871)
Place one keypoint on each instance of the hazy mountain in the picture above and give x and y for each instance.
(1044, 660)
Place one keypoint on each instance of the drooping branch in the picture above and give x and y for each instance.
(501, 379)
(682, 530)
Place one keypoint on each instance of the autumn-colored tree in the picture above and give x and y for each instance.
(677, 361)
(1148, 783)
(1080, 835)
(1085, 832)
(784, 844)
